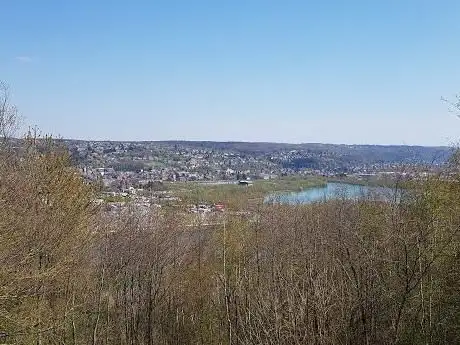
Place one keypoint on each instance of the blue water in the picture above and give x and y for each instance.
(332, 190)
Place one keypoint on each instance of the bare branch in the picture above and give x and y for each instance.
(9, 116)
(454, 106)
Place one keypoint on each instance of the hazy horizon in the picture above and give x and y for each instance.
(252, 71)
(251, 142)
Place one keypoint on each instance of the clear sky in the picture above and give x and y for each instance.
(362, 71)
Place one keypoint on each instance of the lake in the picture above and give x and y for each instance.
(332, 190)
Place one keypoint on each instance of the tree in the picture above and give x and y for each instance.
(44, 227)
(43, 230)
(454, 105)
(9, 117)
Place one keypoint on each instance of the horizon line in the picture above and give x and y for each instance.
(246, 142)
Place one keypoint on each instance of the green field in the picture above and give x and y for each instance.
(239, 197)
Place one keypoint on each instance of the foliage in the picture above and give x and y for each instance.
(43, 228)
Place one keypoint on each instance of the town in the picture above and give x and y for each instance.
(141, 171)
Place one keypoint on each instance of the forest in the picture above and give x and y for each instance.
(336, 272)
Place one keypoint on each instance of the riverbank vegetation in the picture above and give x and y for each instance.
(390, 181)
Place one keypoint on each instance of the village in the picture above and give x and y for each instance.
(150, 174)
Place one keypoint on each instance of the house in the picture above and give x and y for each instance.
(219, 207)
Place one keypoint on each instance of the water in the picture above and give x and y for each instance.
(332, 190)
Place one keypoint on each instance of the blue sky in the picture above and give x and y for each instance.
(287, 71)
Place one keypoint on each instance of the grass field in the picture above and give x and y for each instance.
(235, 196)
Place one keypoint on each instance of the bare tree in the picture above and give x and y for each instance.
(9, 116)
(454, 105)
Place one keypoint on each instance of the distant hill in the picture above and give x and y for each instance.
(381, 153)
(293, 156)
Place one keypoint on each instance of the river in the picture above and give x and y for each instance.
(332, 190)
